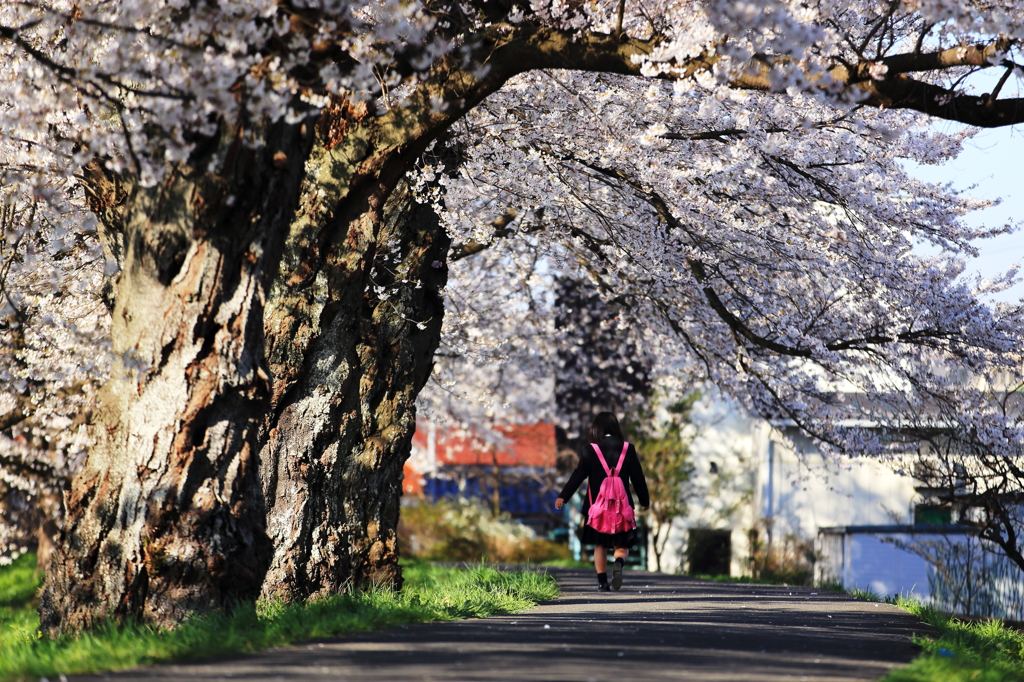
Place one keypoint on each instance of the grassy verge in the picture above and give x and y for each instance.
(830, 586)
(432, 593)
(745, 579)
(18, 587)
(985, 651)
(567, 563)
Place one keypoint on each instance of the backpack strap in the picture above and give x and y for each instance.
(600, 458)
(622, 458)
(607, 471)
(618, 465)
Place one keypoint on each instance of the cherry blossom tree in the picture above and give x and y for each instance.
(967, 467)
(727, 168)
(52, 359)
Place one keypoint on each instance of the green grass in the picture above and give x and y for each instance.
(866, 595)
(832, 585)
(18, 587)
(746, 579)
(432, 593)
(567, 563)
(963, 651)
(984, 651)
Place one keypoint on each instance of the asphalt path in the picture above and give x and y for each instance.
(656, 628)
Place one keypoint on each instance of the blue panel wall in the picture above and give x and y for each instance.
(522, 498)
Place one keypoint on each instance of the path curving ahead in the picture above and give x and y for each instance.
(657, 628)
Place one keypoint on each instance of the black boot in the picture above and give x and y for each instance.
(602, 583)
(617, 573)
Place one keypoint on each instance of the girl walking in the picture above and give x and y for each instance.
(606, 443)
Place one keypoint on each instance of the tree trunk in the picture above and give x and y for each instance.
(496, 490)
(338, 438)
(166, 516)
(658, 548)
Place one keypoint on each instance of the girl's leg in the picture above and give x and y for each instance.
(601, 566)
(600, 559)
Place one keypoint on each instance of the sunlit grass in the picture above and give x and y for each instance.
(18, 587)
(432, 593)
(568, 563)
(984, 651)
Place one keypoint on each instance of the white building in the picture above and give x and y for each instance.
(754, 475)
(768, 483)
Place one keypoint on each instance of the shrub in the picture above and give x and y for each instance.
(789, 562)
(465, 530)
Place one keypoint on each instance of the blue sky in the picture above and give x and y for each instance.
(992, 161)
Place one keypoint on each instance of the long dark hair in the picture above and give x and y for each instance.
(605, 423)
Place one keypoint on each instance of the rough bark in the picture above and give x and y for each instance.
(166, 516)
(338, 439)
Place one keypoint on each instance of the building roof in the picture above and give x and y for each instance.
(529, 445)
(951, 529)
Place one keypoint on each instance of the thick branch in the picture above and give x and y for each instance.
(897, 90)
(107, 193)
(501, 230)
(906, 93)
(966, 55)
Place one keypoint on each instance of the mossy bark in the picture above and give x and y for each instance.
(338, 437)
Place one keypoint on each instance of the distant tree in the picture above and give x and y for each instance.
(662, 437)
(601, 362)
(977, 474)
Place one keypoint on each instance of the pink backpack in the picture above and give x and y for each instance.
(610, 512)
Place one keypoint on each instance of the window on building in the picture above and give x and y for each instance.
(933, 515)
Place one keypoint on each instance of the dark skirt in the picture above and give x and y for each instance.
(589, 536)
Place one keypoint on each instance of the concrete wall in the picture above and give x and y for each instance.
(809, 491)
(866, 561)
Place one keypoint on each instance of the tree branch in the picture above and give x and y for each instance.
(896, 90)
(965, 55)
(737, 325)
(906, 93)
(15, 416)
(501, 230)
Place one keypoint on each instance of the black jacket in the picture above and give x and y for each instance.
(591, 470)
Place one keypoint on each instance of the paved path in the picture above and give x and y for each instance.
(657, 628)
